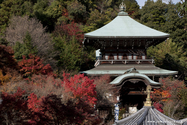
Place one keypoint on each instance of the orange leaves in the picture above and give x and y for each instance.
(168, 89)
(161, 95)
(169, 93)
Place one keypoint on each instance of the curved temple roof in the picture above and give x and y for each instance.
(124, 26)
(149, 116)
(121, 78)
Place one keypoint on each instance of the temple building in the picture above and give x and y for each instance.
(121, 53)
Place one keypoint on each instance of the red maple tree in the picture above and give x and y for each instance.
(34, 65)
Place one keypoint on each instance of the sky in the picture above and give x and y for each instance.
(142, 2)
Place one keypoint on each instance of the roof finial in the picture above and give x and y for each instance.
(122, 7)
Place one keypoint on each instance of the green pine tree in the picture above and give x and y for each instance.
(170, 55)
(174, 25)
(69, 57)
(153, 14)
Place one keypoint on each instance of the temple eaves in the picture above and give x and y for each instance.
(115, 70)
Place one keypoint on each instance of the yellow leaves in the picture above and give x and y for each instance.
(4, 78)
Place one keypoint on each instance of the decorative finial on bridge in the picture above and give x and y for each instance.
(122, 7)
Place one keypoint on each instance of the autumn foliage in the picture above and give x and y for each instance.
(69, 30)
(167, 89)
(69, 101)
(80, 87)
(158, 106)
(34, 65)
(6, 58)
(8, 65)
(169, 98)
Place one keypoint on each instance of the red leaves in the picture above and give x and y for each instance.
(34, 65)
(34, 104)
(73, 30)
(158, 106)
(6, 58)
(51, 108)
(81, 87)
(13, 97)
(13, 106)
(69, 30)
(82, 93)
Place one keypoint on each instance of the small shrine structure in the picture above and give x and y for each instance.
(121, 53)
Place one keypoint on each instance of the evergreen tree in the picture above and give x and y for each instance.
(107, 10)
(170, 55)
(39, 11)
(98, 19)
(77, 11)
(174, 25)
(69, 57)
(153, 14)
(182, 7)
(25, 48)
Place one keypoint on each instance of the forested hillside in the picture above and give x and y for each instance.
(40, 40)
